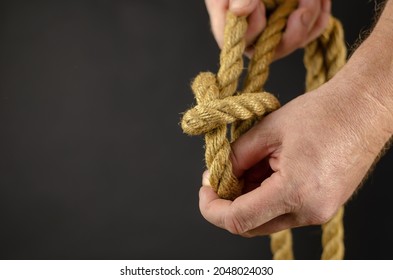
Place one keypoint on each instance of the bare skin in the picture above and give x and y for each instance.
(303, 161)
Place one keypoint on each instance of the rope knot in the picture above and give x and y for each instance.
(213, 110)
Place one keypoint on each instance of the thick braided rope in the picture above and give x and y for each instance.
(210, 88)
(258, 72)
(217, 106)
(264, 50)
(214, 95)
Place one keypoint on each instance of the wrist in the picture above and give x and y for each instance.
(363, 95)
(367, 78)
(370, 73)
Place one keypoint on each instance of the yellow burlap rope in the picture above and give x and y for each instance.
(218, 104)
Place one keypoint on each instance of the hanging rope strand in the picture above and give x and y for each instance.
(258, 72)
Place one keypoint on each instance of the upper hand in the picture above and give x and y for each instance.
(300, 163)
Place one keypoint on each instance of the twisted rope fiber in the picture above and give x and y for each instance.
(218, 104)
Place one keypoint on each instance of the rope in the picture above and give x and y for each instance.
(219, 105)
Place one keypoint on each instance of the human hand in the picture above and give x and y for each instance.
(305, 24)
(301, 162)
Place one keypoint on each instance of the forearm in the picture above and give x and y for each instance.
(374, 62)
(367, 83)
(375, 57)
(382, 41)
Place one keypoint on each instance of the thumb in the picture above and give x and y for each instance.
(243, 7)
(255, 145)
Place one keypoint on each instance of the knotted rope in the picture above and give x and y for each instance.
(219, 104)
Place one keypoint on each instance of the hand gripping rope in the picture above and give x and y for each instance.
(219, 104)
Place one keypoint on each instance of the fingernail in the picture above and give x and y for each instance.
(306, 19)
(205, 178)
(238, 4)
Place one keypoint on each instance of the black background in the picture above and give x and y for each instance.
(93, 163)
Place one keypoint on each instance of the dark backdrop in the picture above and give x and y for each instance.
(93, 163)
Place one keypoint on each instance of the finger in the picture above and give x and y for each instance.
(259, 206)
(217, 13)
(283, 222)
(256, 144)
(256, 23)
(312, 11)
(299, 24)
(248, 211)
(321, 23)
(206, 178)
(243, 7)
(213, 208)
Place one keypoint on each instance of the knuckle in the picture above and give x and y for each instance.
(322, 214)
(302, 39)
(294, 42)
(235, 223)
(204, 211)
